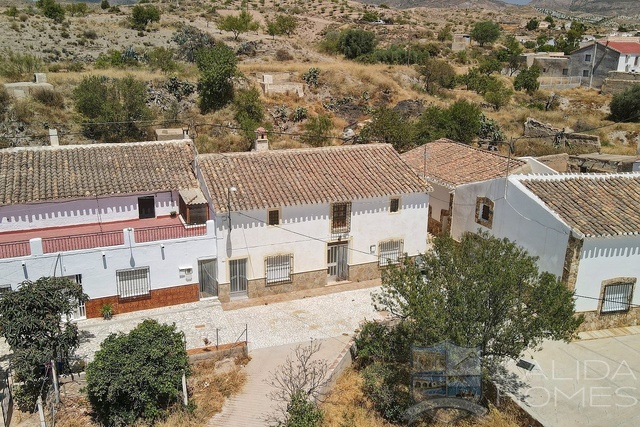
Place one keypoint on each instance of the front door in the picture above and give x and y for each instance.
(337, 258)
(238, 275)
(207, 278)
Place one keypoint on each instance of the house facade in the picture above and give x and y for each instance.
(585, 229)
(294, 219)
(594, 61)
(127, 221)
(447, 164)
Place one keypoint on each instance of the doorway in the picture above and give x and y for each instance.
(238, 275)
(337, 261)
(207, 278)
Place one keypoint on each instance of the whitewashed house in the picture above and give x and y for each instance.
(447, 164)
(584, 229)
(303, 218)
(127, 221)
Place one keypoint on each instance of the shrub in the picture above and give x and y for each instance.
(528, 80)
(48, 97)
(387, 386)
(299, 114)
(104, 5)
(217, 66)
(161, 58)
(141, 16)
(311, 76)
(17, 66)
(283, 55)
(354, 43)
(625, 106)
(137, 375)
(318, 131)
(189, 40)
(51, 9)
(90, 34)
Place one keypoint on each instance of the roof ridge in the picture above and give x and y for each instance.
(89, 146)
(289, 151)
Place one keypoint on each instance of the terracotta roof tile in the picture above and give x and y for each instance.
(278, 178)
(451, 163)
(595, 205)
(33, 174)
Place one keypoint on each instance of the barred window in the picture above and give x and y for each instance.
(273, 217)
(389, 252)
(133, 282)
(484, 211)
(616, 297)
(341, 217)
(394, 205)
(278, 268)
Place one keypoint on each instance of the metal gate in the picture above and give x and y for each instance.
(238, 275)
(207, 278)
(337, 258)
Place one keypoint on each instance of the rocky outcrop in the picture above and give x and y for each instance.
(561, 137)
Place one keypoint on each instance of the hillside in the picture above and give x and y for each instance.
(458, 4)
(601, 7)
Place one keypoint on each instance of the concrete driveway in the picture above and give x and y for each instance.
(589, 382)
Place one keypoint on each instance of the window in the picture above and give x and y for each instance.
(273, 217)
(484, 211)
(565, 71)
(133, 282)
(278, 268)
(341, 217)
(585, 73)
(394, 205)
(146, 207)
(587, 57)
(616, 295)
(389, 252)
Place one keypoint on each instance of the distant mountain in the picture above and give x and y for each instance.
(599, 7)
(459, 4)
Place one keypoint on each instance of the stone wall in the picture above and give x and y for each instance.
(557, 162)
(361, 272)
(617, 82)
(579, 142)
(593, 320)
(299, 281)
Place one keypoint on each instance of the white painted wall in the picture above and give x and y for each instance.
(603, 259)
(99, 273)
(305, 231)
(518, 217)
(61, 213)
(627, 62)
(439, 199)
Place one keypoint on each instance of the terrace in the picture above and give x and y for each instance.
(96, 235)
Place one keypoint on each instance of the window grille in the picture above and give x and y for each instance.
(617, 297)
(278, 268)
(133, 282)
(274, 217)
(394, 205)
(341, 217)
(389, 252)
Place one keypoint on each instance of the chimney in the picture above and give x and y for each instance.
(53, 137)
(261, 143)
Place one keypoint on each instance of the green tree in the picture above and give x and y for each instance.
(112, 108)
(510, 54)
(445, 33)
(484, 292)
(51, 9)
(34, 320)
(217, 67)
(161, 58)
(528, 80)
(485, 32)
(104, 5)
(498, 94)
(489, 64)
(436, 74)
(137, 375)
(533, 24)
(464, 121)
(77, 9)
(625, 106)
(249, 110)
(317, 131)
(12, 12)
(238, 24)
(354, 43)
(143, 15)
(390, 127)
(287, 24)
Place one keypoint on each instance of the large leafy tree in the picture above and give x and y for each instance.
(482, 291)
(527, 80)
(625, 106)
(190, 40)
(282, 24)
(485, 32)
(34, 320)
(354, 43)
(113, 109)
(141, 16)
(390, 127)
(137, 375)
(239, 24)
(436, 74)
(217, 67)
(510, 54)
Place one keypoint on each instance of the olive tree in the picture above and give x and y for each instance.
(217, 67)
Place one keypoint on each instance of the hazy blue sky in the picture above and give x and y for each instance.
(517, 1)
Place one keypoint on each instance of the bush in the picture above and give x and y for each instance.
(283, 55)
(141, 16)
(318, 131)
(387, 385)
(5, 100)
(137, 375)
(17, 66)
(189, 40)
(51, 9)
(528, 80)
(354, 43)
(104, 5)
(299, 114)
(625, 106)
(217, 67)
(161, 58)
(311, 76)
(48, 97)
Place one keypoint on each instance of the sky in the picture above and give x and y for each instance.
(517, 1)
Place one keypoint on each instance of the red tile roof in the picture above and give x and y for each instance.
(625, 48)
(451, 163)
(270, 179)
(594, 205)
(33, 174)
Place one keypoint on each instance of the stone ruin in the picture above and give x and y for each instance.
(279, 83)
(22, 89)
(561, 137)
